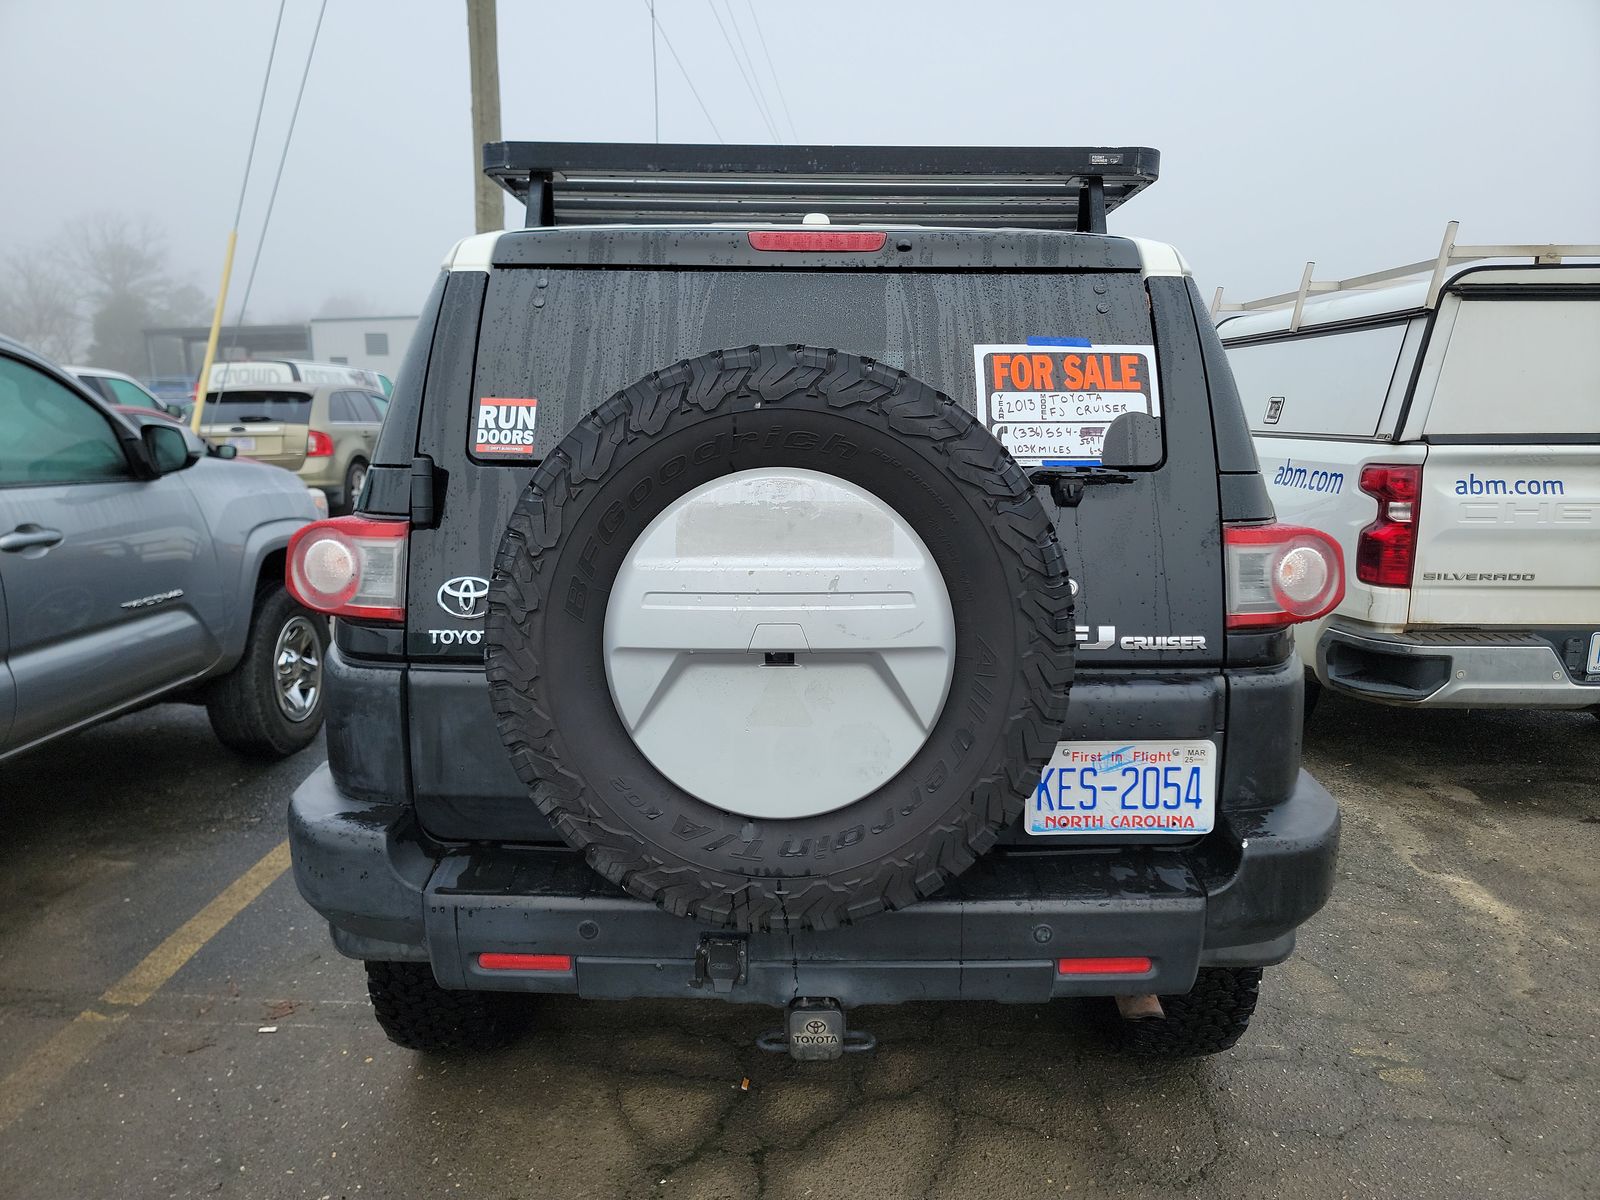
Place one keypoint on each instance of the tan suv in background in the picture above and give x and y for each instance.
(323, 434)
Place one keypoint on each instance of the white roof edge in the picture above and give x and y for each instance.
(1158, 258)
(474, 253)
(101, 373)
(477, 253)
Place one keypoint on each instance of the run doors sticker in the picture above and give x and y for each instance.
(502, 427)
(1050, 405)
(1125, 787)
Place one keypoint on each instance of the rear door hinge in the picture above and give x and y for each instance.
(424, 512)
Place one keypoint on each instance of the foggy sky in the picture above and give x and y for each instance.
(1346, 132)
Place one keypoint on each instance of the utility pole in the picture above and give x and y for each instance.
(483, 48)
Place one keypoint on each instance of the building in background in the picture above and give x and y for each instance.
(176, 352)
(376, 343)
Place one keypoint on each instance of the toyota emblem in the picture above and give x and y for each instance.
(815, 1027)
(464, 597)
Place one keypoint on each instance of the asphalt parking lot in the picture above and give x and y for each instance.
(1436, 1034)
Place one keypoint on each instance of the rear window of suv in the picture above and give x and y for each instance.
(292, 408)
(562, 340)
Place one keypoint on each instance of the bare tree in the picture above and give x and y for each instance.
(347, 304)
(118, 255)
(41, 305)
(103, 282)
(123, 262)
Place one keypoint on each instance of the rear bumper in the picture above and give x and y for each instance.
(1449, 669)
(996, 933)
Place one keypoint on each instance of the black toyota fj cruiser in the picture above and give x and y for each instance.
(815, 577)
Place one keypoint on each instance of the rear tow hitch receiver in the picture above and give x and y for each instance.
(815, 1032)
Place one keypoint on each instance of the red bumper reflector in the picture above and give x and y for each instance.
(800, 240)
(1102, 966)
(525, 962)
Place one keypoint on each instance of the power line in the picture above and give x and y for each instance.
(261, 104)
(743, 74)
(755, 73)
(272, 199)
(217, 311)
(776, 82)
(656, 21)
(655, 81)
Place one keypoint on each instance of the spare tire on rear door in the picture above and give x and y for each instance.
(780, 637)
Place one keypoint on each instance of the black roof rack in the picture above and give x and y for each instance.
(1029, 187)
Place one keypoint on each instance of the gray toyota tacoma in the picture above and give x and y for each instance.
(815, 577)
(139, 565)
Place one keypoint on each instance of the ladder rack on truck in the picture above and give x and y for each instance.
(1028, 187)
(1439, 266)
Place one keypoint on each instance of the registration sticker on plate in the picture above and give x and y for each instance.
(242, 443)
(1125, 788)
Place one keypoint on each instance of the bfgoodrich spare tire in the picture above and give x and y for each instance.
(779, 637)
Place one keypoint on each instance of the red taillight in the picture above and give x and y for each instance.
(525, 962)
(318, 445)
(1103, 966)
(351, 567)
(1386, 551)
(1281, 575)
(805, 239)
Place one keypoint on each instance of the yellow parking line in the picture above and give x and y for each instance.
(162, 963)
(41, 1070)
(66, 1048)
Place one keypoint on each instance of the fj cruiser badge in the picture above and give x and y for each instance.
(1103, 637)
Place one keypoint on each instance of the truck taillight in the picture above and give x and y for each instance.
(1281, 575)
(351, 567)
(318, 445)
(1386, 551)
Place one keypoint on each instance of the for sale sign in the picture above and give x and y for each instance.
(1050, 405)
(502, 427)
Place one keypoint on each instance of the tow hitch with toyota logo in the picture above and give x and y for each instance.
(815, 1032)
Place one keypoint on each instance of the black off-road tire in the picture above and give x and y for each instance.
(1208, 1019)
(243, 704)
(816, 409)
(418, 1014)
